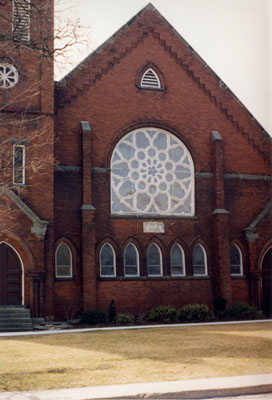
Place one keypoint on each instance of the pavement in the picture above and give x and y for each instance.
(56, 331)
(184, 389)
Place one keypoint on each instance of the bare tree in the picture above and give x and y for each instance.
(26, 34)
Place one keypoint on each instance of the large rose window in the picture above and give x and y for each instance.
(152, 172)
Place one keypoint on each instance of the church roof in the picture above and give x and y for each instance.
(150, 21)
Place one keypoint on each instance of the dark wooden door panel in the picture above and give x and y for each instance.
(10, 276)
(267, 283)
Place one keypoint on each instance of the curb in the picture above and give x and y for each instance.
(187, 389)
(133, 327)
(198, 394)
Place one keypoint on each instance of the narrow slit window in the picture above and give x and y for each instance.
(177, 261)
(131, 260)
(21, 20)
(63, 261)
(150, 80)
(19, 165)
(235, 260)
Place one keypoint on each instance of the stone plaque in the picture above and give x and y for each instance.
(154, 227)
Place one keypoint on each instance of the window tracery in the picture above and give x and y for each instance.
(63, 261)
(8, 76)
(177, 264)
(152, 172)
(235, 260)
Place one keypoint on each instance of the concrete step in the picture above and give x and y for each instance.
(15, 315)
(16, 329)
(10, 320)
(5, 311)
(15, 319)
(15, 323)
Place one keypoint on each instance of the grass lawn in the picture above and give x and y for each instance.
(127, 356)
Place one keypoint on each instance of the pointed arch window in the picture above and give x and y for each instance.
(177, 264)
(131, 260)
(154, 260)
(107, 261)
(199, 260)
(63, 261)
(236, 261)
(150, 79)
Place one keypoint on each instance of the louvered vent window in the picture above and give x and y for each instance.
(21, 20)
(150, 80)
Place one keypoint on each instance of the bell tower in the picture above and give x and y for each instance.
(26, 55)
(27, 140)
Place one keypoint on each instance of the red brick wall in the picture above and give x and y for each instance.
(113, 105)
(140, 296)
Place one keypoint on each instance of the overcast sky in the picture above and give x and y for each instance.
(234, 37)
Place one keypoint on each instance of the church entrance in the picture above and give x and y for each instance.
(10, 276)
(267, 283)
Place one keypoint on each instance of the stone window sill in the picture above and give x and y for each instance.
(155, 278)
(64, 279)
(152, 216)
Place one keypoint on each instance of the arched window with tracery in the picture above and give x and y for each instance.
(199, 260)
(152, 172)
(236, 260)
(63, 260)
(154, 260)
(131, 260)
(107, 261)
(177, 263)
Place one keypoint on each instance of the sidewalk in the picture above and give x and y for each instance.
(187, 389)
(112, 328)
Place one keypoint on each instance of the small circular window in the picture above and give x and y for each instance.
(8, 76)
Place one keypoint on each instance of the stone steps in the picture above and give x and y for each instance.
(15, 319)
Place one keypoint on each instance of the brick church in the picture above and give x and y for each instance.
(139, 177)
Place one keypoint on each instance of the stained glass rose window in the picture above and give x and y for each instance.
(152, 172)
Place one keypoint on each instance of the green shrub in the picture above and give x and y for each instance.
(123, 319)
(241, 311)
(194, 312)
(163, 314)
(94, 317)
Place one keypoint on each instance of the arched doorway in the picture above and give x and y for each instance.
(10, 276)
(267, 283)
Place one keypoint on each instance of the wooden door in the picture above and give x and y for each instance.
(267, 283)
(10, 276)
